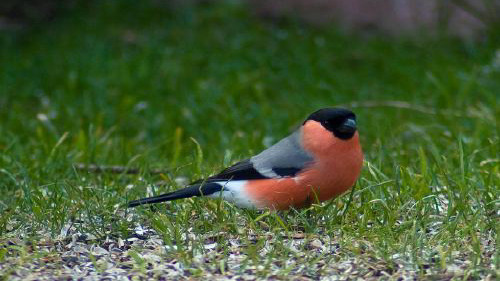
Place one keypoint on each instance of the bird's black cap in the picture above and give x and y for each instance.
(340, 121)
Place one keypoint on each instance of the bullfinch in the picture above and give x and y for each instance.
(317, 162)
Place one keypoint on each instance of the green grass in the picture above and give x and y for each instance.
(194, 90)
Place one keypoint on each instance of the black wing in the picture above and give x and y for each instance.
(242, 170)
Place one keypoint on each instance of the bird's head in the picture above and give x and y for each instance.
(341, 122)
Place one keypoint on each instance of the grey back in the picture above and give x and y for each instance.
(287, 154)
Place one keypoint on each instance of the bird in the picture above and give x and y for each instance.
(317, 162)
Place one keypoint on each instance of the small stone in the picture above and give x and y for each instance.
(80, 249)
(98, 251)
(316, 244)
(298, 235)
(120, 243)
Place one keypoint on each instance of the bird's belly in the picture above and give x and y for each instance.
(278, 194)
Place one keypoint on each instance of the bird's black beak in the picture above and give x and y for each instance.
(349, 126)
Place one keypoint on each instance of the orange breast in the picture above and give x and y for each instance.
(336, 168)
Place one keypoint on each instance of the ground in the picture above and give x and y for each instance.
(184, 92)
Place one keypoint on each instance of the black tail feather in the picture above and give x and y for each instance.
(189, 191)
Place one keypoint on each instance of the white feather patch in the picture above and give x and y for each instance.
(234, 192)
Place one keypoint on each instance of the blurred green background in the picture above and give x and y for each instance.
(216, 69)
